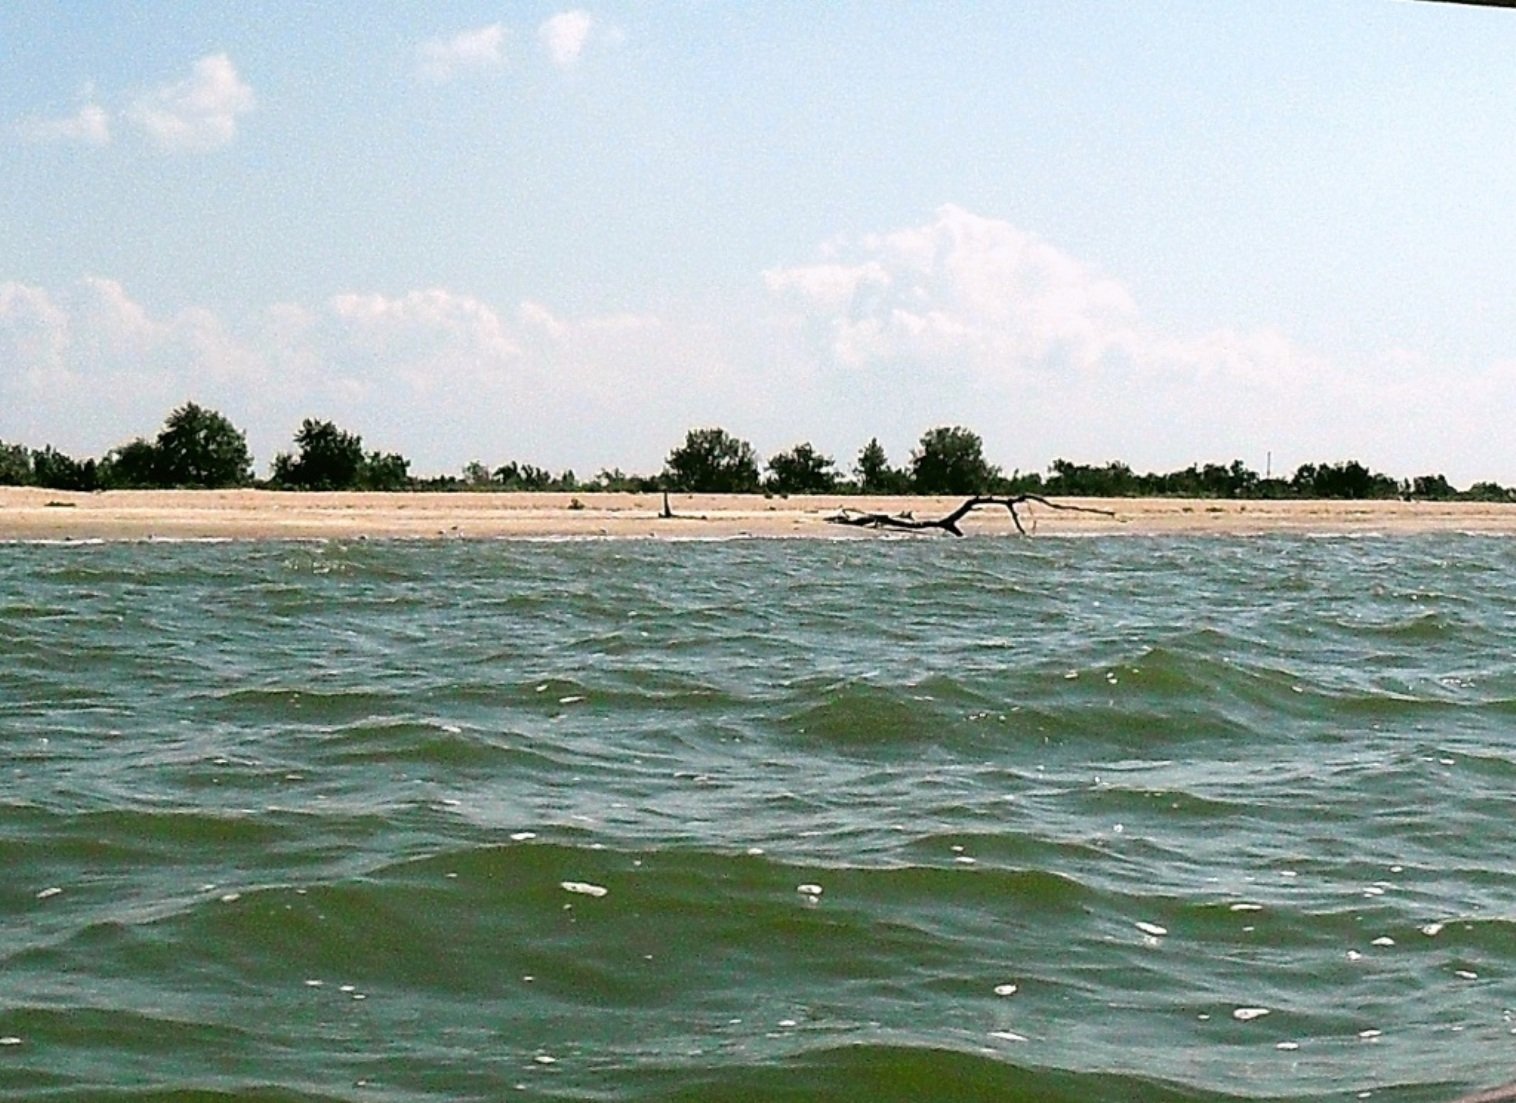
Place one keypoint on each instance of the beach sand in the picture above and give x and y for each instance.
(34, 514)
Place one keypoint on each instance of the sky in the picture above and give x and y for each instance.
(1156, 232)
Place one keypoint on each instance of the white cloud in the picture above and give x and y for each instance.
(432, 339)
(564, 36)
(90, 125)
(973, 320)
(961, 290)
(442, 59)
(196, 114)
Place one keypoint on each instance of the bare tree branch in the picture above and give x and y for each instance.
(905, 522)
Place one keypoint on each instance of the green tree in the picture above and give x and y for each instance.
(712, 461)
(15, 464)
(385, 471)
(875, 475)
(57, 471)
(201, 448)
(801, 470)
(950, 460)
(131, 466)
(1434, 488)
(329, 459)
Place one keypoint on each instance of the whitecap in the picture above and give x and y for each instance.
(1151, 928)
(1008, 1035)
(1248, 1014)
(583, 888)
(1005, 989)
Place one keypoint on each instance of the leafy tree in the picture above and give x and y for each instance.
(329, 459)
(1432, 488)
(712, 461)
(615, 479)
(801, 470)
(951, 460)
(15, 464)
(385, 471)
(57, 471)
(201, 448)
(875, 475)
(1349, 479)
(131, 466)
(1489, 492)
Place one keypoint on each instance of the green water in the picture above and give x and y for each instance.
(295, 821)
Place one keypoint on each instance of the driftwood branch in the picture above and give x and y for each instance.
(905, 522)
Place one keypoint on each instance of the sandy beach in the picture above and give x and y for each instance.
(36, 514)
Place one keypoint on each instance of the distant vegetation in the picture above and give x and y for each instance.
(200, 448)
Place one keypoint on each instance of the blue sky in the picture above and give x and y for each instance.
(1159, 232)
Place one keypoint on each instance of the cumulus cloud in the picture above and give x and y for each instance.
(965, 314)
(90, 125)
(564, 35)
(196, 114)
(961, 289)
(442, 59)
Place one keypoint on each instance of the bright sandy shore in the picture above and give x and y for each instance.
(32, 514)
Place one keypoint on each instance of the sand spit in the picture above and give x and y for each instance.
(28, 513)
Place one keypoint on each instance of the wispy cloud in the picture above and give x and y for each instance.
(564, 36)
(90, 125)
(196, 114)
(442, 59)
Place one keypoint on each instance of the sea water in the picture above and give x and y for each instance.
(981, 819)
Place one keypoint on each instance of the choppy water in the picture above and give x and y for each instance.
(758, 820)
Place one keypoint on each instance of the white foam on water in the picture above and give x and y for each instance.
(1432, 930)
(1248, 1014)
(809, 889)
(231, 897)
(1152, 929)
(1247, 907)
(48, 893)
(1370, 1035)
(1383, 940)
(572, 699)
(583, 888)
(1005, 989)
(523, 836)
(1354, 955)
(1008, 1035)
(10, 1040)
(1466, 974)
(545, 1059)
(348, 988)
(313, 983)
(1287, 1045)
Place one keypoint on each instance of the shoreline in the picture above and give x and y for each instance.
(37, 514)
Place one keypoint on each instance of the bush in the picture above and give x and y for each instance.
(712, 461)
(801, 470)
(951, 461)
(201, 448)
(875, 475)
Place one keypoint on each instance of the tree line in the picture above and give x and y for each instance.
(201, 448)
